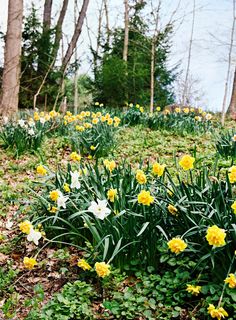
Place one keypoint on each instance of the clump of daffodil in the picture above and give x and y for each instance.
(216, 236)
(194, 290)
(102, 269)
(83, 264)
(145, 198)
(217, 313)
(29, 263)
(74, 156)
(173, 210)
(41, 170)
(112, 194)
(141, 177)
(187, 162)
(231, 280)
(158, 169)
(177, 245)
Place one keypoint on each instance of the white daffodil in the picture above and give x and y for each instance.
(21, 123)
(61, 200)
(75, 180)
(31, 132)
(9, 224)
(99, 209)
(234, 138)
(42, 120)
(34, 236)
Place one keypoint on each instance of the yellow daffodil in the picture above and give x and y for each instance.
(232, 174)
(177, 245)
(41, 170)
(54, 195)
(173, 210)
(216, 236)
(112, 194)
(102, 269)
(158, 169)
(217, 313)
(187, 162)
(145, 198)
(194, 290)
(234, 207)
(25, 226)
(141, 177)
(29, 263)
(84, 265)
(66, 187)
(231, 280)
(74, 156)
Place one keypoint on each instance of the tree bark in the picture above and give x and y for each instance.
(189, 56)
(12, 55)
(229, 65)
(76, 71)
(76, 35)
(98, 44)
(47, 12)
(126, 37)
(59, 24)
(232, 105)
(108, 31)
(44, 47)
(152, 75)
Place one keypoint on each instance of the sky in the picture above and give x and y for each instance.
(211, 39)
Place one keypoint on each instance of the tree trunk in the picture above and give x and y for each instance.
(232, 105)
(44, 46)
(189, 56)
(108, 31)
(47, 14)
(126, 37)
(12, 55)
(96, 53)
(59, 24)
(229, 65)
(152, 75)
(76, 35)
(76, 70)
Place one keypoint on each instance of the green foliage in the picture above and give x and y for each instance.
(101, 136)
(178, 123)
(37, 55)
(21, 137)
(133, 116)
(118, 81)
(73, 302)
(226, 144)
(6, 279)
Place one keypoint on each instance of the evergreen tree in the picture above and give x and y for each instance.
(116, 81)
